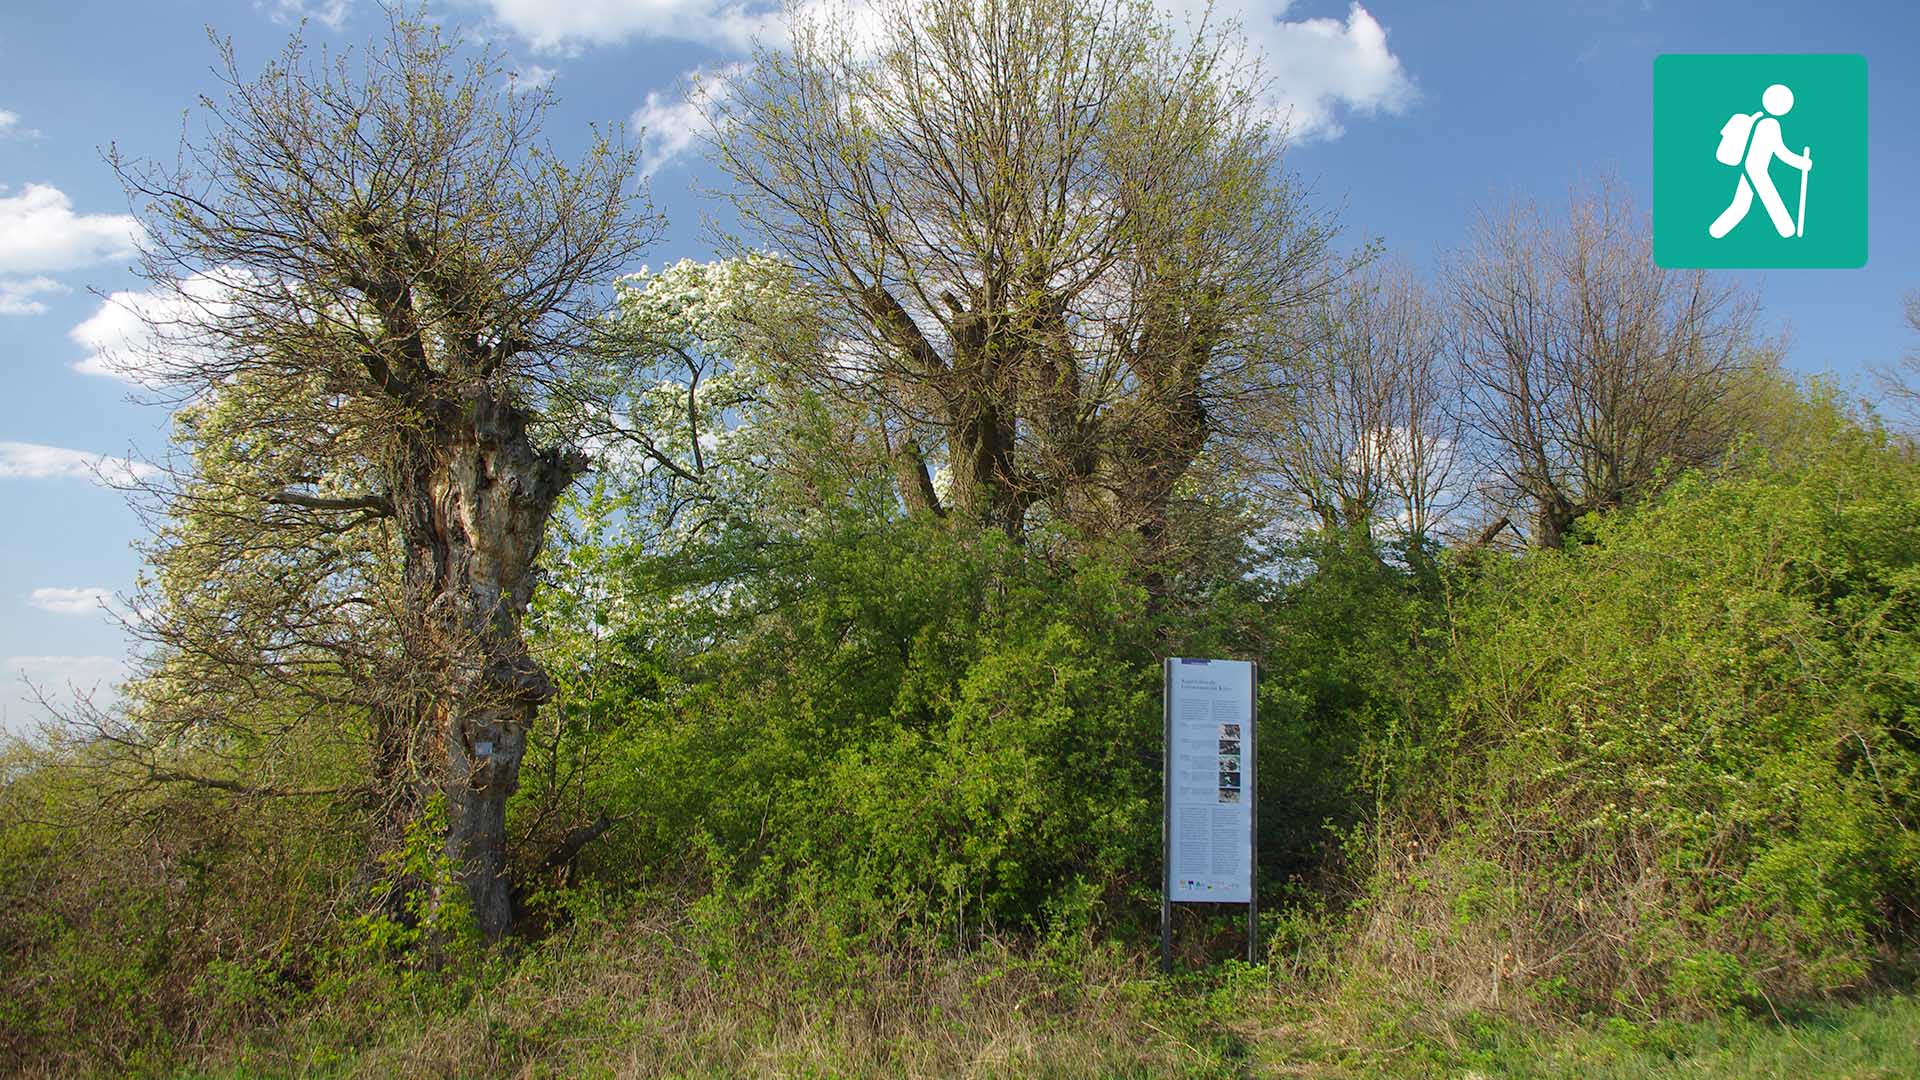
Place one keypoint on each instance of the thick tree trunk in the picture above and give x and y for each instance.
(1166, 433)
(980, 443)
(1553, 517)
(473, 510)
(913, 482)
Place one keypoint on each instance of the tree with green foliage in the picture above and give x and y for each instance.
(1056, 243)
(378, 282)
(731, 431)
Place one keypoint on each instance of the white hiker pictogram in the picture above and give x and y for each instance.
(1752, 141)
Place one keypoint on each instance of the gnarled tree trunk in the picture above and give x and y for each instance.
(473, 506)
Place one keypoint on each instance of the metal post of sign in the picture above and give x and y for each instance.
(1250, 764)
(1166, 815)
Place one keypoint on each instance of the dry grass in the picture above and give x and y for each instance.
(643, 1000)
(655, 997)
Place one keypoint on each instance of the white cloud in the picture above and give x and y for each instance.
(33, 461)
(17, 294)
(569, 25)
(1324, 69)
(86, 600)
(672, 124)
(532, 78)
(331, 13)
(10, 126)
(133, 335)
(40, 232)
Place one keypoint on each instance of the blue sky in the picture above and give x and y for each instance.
(1412, 114)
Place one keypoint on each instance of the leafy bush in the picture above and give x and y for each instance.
(1680, 768)
(136, 919)
(1352, 670)
(945, 726)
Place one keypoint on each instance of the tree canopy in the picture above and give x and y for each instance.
(1056, 244)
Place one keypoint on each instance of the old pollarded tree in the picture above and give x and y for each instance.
(1057, 242)
(374, 283)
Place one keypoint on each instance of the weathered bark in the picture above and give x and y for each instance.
(1164, 426)
(1553, 518)
(985, 481)
(913, 481)
(473, 509)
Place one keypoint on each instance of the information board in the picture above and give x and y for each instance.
(1210, 781)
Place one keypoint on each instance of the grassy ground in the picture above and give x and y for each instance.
(651, 1000)
(1878, 1038)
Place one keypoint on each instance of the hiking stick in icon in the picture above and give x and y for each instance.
(1800, 220)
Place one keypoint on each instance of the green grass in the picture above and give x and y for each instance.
(637, 1002)
(1877, 1038)
(1874, 1038)
(653, 995)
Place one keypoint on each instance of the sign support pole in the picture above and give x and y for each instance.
(1166, 816)
(1249, 765)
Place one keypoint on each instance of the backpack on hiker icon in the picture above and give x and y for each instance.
(1734, 136)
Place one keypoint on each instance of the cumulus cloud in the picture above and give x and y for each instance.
(10, 126)
(330, 13)
(34, 461)
(1320, 71)
(40, 232)
(568, 27)
(86, 600)
(529, 79)
(1324, 69)
(17, 294)
(672, 123)
(133, 335)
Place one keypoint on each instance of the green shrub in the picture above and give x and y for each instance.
(1687, 746)
(136, 918)
(939, 724)
(947, 727)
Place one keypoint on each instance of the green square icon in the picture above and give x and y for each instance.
(1760, 160)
